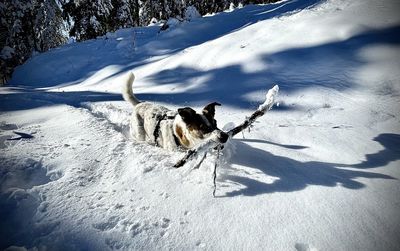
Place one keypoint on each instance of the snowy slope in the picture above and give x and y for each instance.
(319, 172)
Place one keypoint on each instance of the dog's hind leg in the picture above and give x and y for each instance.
(137, 128)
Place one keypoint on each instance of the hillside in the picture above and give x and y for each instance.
(320, 171)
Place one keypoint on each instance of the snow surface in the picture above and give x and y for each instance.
(318, 172)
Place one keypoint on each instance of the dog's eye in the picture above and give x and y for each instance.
(205, 128)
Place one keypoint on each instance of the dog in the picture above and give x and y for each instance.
(171, 130)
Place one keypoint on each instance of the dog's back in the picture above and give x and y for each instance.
(146, 117)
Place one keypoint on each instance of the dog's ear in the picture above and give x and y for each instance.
(209, 110)
(187, 114)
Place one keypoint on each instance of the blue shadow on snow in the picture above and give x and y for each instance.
(294, 175)
(329, 65)
(77, 62)
(35, 99)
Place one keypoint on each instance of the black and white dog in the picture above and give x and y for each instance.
(169, 129)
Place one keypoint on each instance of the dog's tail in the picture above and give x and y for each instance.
(127, 92)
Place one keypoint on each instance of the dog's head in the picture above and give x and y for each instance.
(194, 127)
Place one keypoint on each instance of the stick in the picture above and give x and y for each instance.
(201, 148)
(201, 161)
(215, 169)
(262, 109)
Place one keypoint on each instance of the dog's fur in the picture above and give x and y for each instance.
(158, 125)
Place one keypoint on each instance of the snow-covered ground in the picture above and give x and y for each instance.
(319, 172)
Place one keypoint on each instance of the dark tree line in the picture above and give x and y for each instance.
(30, 26)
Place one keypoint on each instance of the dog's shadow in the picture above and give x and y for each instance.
(252, 171)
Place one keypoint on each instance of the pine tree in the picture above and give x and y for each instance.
(90, 18)
(121, 15)
(27, 26)
(49, 29)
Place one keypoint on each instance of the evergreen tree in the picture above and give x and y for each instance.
(48, 27)
(89, 19)
(121, 15)
(27, 26)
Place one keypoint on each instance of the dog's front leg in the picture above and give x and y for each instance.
(168, 140)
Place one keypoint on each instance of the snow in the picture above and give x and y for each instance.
(191, 13)
(318, 172)
(269, 98)
(6, 52)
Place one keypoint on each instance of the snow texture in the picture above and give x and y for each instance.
(318, 172)
(191, 13)
(6, 52)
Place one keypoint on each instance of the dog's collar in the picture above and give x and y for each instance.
(156, 132)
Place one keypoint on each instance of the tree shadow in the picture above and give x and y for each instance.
(130, 48)
(390, 152)
(226, 23)
(26, 99)
(73, 63)
(292, 175)
(330, 65)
